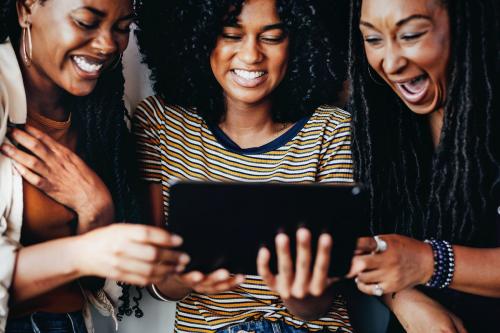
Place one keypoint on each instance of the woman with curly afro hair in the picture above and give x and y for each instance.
(65, 171)
(243, 93)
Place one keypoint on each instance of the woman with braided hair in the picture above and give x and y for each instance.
(426, 111)
(67, 173)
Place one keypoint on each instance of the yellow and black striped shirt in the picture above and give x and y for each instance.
(174, 143)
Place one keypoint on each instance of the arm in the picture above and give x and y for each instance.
(134, 254)
(408, 262)
(418, 313)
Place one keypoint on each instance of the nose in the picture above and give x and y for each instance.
(104, 43)
(393, 61)
(249, 51)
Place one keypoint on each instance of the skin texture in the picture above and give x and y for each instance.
(133, 254)
(252, 45)
(408, 262)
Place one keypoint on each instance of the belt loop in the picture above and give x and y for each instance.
(34, 326)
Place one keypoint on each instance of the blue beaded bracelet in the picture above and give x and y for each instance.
(444, 264)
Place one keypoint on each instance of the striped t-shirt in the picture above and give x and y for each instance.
(175, 143)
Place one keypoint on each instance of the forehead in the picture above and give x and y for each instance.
(392, 11)
(115, 7)
(258, 12)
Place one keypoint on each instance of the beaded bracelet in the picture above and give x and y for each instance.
(444, 264)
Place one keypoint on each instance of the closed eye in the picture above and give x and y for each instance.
(411, 37)
(373, 40)
(86, 25)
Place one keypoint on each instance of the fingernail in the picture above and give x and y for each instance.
(6, 149)
(176, 240)
(180, 268)
(184, 259)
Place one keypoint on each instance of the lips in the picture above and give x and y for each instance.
(414, 90)
(248, 78)
(88, 67)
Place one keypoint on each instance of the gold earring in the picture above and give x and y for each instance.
(27, 54)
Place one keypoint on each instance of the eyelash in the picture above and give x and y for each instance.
(93, 26)
(409, 37)
(270, 40)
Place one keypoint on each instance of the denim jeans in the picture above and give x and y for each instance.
(262, 326)
(41, 322)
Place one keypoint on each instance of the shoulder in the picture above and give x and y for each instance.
(331, 119)
(156, 110)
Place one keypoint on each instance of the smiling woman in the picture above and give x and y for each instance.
(242, 88)
(67, 173)
(426, 145)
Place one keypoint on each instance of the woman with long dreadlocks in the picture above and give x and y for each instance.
(60, 73)
(426, 111)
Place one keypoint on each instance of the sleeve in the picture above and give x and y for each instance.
(10, 209)
(146, 126)
(336, 159)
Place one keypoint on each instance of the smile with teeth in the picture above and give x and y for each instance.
(87, 65)
(248, 75)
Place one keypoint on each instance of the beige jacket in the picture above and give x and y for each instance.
(13, 109)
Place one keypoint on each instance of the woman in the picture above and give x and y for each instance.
(425, 100)
(239, 87)
(60, 72)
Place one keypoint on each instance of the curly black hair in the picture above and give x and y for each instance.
(176, 38)
(450, 192)
(104, 141)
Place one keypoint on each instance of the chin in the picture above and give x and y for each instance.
(81, 91)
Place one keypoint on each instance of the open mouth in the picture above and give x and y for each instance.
(414, 90)
(248, 79)
(87, 65)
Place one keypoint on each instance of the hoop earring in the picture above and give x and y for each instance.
(373, 77)
(27, 54)
(116, 62)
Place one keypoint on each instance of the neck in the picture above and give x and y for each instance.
(43, 96)
(250, 125)
(436, 119)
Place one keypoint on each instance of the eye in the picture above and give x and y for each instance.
(231, 36)
(86, 25)
(273, 39)
(412, 36)
(372, 40)
(125, 29)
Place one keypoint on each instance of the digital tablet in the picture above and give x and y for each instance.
(225, 224)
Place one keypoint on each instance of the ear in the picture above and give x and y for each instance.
(24, 10)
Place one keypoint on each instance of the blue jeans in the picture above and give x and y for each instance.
(262, 326)
(42, 322)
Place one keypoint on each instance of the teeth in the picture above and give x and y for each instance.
(249, 75)
(85, 65)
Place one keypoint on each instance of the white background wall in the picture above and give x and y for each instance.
(158, 316)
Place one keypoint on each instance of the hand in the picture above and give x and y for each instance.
(63, 176)
(135, 254)
(405, 263)
(301, 283)
(213, 283)
(418, 313)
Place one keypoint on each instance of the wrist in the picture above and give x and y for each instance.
(427, 263)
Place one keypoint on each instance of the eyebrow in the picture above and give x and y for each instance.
(400, 22)
(279, 25)
(102, 14)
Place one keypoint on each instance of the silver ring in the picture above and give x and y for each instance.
(381, 244)
(378, 290)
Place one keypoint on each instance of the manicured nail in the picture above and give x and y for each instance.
(180, 268)
(6, 149)
(176, 240)
(184, 259)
